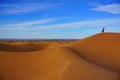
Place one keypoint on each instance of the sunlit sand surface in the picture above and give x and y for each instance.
(94, 58)
(103, 49)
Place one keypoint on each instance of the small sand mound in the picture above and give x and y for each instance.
(28, 47)
(102, 49)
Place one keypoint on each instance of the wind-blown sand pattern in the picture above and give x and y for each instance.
(94, 58)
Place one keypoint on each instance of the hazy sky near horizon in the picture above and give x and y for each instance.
(57, 19)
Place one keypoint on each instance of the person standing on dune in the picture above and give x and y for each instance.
(103, 29)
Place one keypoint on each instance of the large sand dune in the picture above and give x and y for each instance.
(93, 58)
(102, 49)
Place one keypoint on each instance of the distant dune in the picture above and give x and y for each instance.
(21, 47)
(94, 58)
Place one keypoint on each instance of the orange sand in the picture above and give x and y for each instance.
(102, 49)
(93, 58)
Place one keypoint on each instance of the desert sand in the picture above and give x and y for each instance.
(93, 58)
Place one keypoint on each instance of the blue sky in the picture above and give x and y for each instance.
(57, 19)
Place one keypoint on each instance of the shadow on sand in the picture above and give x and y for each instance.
(22, 47)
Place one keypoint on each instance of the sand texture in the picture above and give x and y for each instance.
(93, 58)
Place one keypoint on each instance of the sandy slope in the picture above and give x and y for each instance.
(74, 62)
(102, 49)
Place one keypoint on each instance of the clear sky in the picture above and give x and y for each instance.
(57, 19)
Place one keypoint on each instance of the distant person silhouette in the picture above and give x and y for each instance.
(103, 29)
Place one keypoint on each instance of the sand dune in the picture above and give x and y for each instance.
(93, 58)
(26, 47)
(102, 49)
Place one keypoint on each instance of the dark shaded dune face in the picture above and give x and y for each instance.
(28, 47)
